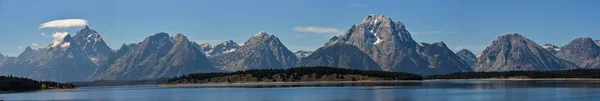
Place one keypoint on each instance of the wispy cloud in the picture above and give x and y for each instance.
(65, 23)
(44, 34)
(35, 44)
(358, 5)
(20, 47)
(318, 30)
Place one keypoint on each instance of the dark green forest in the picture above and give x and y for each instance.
(575, 73)
(13, 84)
(297, 74)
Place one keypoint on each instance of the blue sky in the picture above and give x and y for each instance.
(471, 24)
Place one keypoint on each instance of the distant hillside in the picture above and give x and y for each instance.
(301, 74)
(15, 84)
(576, 73)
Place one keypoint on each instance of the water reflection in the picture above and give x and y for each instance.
(443, 90)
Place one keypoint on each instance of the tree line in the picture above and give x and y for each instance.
(11, 83)
(298, 73)
(574, 73)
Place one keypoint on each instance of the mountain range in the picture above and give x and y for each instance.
(376, 43)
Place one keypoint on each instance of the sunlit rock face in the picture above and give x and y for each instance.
(512, 52)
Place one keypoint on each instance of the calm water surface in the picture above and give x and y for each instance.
(444, 90)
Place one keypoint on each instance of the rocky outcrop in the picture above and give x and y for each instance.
(341, 56)
(511, 52)
(261, 51)
(158, 56)
(467, 56)
(391, 46)
(581, 51)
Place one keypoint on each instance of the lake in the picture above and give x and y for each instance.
(431, 90)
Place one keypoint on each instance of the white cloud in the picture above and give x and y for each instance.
(20, 47)
(65, 45)
(65, 23)
(319, 30)
(44, 34)
(358, 5)
(35, 44)
(59, 38)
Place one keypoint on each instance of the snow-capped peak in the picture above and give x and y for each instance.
(261, 33)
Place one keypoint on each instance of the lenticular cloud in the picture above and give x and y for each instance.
(65, 23)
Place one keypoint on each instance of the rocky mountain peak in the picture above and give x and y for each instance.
(376, 19)
(302, 54)
(205, 47)
(2, 57)
(441, 44)
(582, 51)
(392, 47)
(581, 45)
(68, 38)
(261, 38)
(181, 38)
(87, 35)
(261, 51)
(28, 48)
(515, 52)
(582, 42)
(551, 48)
(92, 45)
(598, 42)
(162, 36)
(224, 47)
(261, 34)
(467, 56)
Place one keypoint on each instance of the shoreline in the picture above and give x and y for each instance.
(285, 83)
(349, 82)
(523, 79)
(394, 81)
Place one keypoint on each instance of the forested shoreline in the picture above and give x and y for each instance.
(18, 84)
(300, 74)
(574, 73)
(310, 74)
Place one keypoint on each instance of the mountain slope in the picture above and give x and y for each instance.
(581, 51)
(63, 61)
(439, 55)
(93, 44)
(551, 48)
(158, 56)
(340, 55)
(261, 51)
(222, 48)
(302, 54)
(21, 65)
(467, 56)
(391, 46)
(515, 52)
